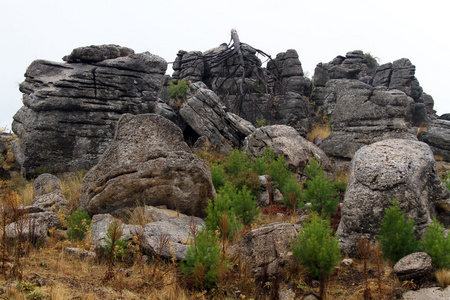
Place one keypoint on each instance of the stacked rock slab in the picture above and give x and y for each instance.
(276, 95)
(399, 169)
(438, 137)
(148, 163)
(71, 109)
(368, 103)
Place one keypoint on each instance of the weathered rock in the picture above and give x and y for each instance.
(94, 53)
(204, 114)
(352, 66)
(267, 250)
(33, 227)
(177, 231)
(376, 114)
(413, 266)
(399, 75)
(287, 142)
(53, 201)
(438, 137)
(396, 168)
(45, 184)
(99, 229)
(153, 214)
(148, 163)
(435, 293)
(71, 109)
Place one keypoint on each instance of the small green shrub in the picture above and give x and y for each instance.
(262, 162)
(293, 193)
(178, 89)
(317, 249)
(204, 265)
(313, 168)
(237, 161)
(320, 191)
(78, 224)
(247, 178)
(221, 216)
(243, 203)
(279, 171)
(396, 234)
(218, 175)
(118, 248)
(370, 60)
(436, 245)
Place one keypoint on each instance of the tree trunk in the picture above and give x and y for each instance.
(322, 295)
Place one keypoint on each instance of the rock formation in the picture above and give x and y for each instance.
(71, 109)
(391, 169)
(267, 250)
(287, 142)
(438, 137)
(206, 116)
(148, 163)
(368, 103)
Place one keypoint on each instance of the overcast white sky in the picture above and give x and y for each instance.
(319, 31)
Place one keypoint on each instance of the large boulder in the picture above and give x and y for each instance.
(71, 109)
(413, 266)
(391, 169)
(438, 137)
(267, 250)
(376, 114)
(206, 116)
(148, 163)
(287, 142)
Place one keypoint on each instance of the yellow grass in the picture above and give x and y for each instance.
(71, 187)
(443, 277)
(319, 130)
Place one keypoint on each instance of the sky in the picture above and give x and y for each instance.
(318, 30)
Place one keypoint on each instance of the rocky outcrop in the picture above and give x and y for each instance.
(177, 231)
(267, 250)
(287, 142)
(168, 238)
(148, 163)
(71, 109)
(435, 293)
(277, 95)
(413, 266)
(33, 227)
(46, 183)
(391, 169)
(438, 137)
(376, 114)
(354, 65)
(205, 115)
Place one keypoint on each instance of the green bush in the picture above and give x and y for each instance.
(436, 245)
(243, 203)
(237, 161)
(313, 168)
(78, 224)
(317, 249)
(221, 216)
(177, 89)
(120, 246)
(396, 234)
(218, 175)
(262, 162)
(292, 193)
(204, 265)
(247, 178)
(319, 192)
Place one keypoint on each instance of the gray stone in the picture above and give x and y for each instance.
(400, 169)
(413, 266)
(438, 137)
(80, 253)
(71, 109)
(53, 201)
(33, 226)
(206, 116)
(148, 163)
(267, 249)
(45, 184)
(99, 229)
(435, 293)
(178, 233)
(94, 53)
(376, 114)
(287, 142)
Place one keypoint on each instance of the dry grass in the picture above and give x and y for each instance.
(319, 130)
(71, 187)
(422, 127)
(138, 216)
(443, 277)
